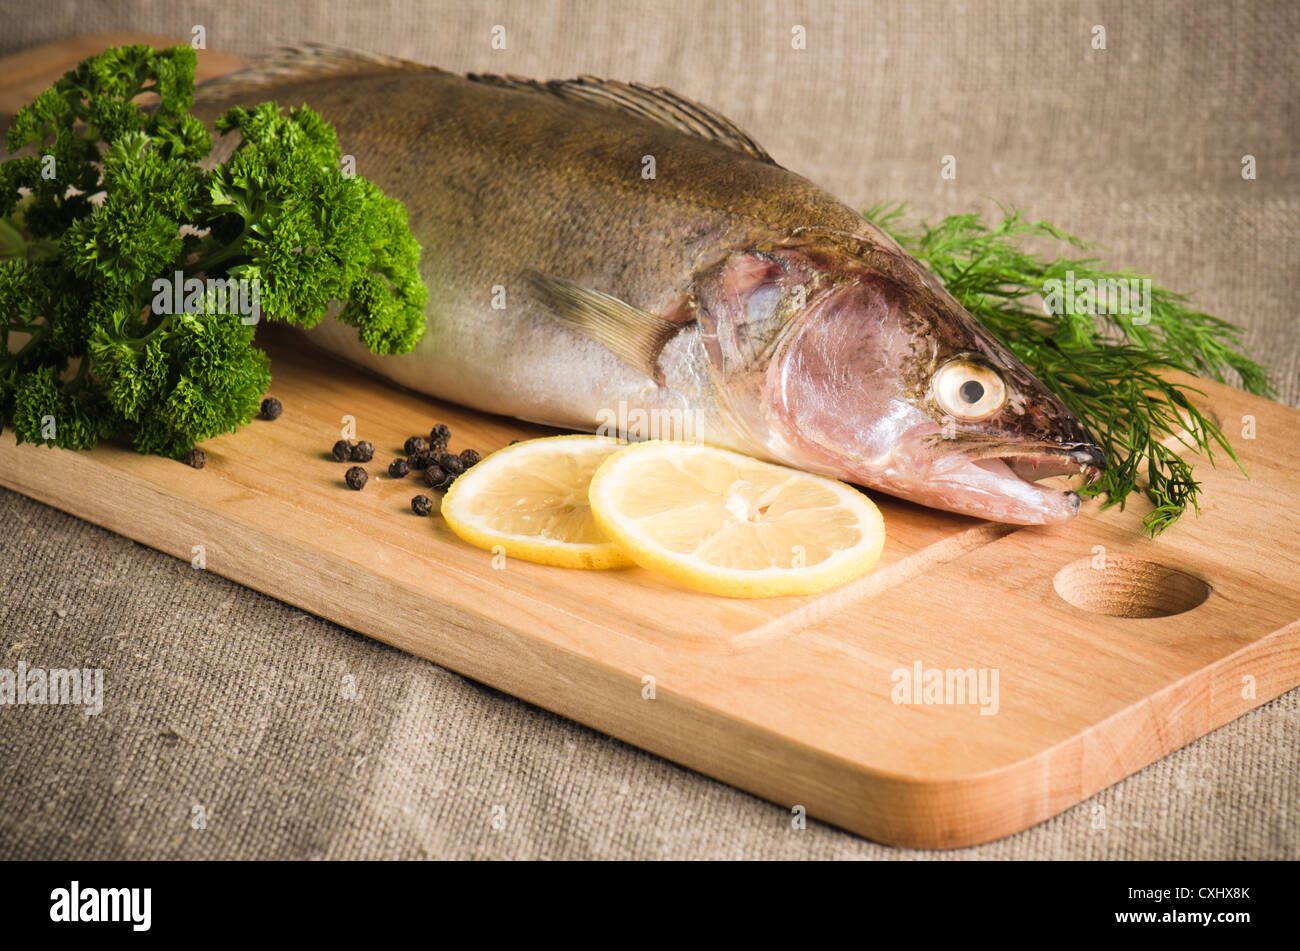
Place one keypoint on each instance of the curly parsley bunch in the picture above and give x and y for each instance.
(114, 223)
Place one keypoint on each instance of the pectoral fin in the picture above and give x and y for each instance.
(633, 335)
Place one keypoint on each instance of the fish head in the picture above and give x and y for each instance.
(844, 356)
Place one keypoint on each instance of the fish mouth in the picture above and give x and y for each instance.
(1081, 463)
(1025, 485)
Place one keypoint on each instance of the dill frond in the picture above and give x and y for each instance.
(1110, 369)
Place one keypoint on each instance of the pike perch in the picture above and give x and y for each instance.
(718, 287)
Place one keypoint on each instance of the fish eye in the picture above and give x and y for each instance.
(968, 390)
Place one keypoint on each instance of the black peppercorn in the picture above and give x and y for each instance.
(196, 458)
(421, 505)
(271, 408)
(452, 464)
(420, 459)
(356, 478)
(415, 444)
(342, 451)
(469, 457)
(434, 476)
(440, 435)
(398, 468)
(363, 451)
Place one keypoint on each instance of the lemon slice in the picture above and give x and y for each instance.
(531, 500)
(728, 524)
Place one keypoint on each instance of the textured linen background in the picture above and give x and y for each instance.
(220, 697)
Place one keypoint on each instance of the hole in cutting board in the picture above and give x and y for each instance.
(1129, 587)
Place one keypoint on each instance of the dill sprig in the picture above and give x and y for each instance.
(1109, 369)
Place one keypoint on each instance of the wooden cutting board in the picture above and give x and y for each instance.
(1109, 650)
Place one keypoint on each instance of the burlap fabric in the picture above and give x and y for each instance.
(220, 698)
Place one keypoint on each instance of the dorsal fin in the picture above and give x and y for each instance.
(300, 62)
(649, 102)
